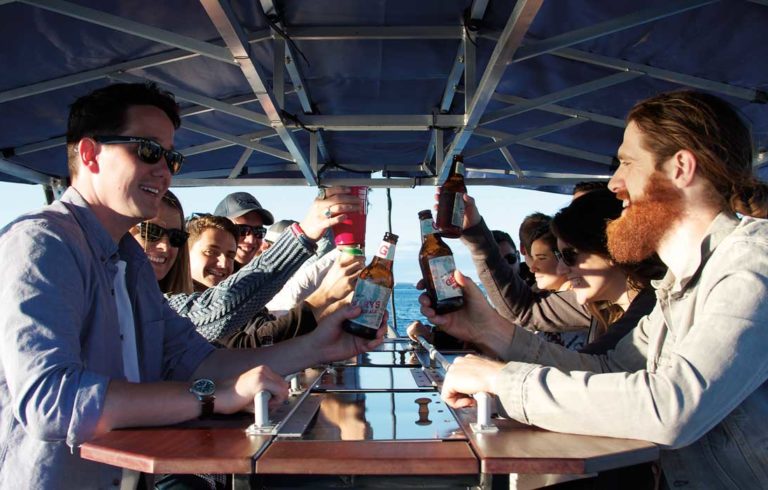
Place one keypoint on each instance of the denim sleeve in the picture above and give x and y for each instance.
(184, 349)
(54, 395)
(226, 307)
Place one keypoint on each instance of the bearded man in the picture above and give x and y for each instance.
(692, 375)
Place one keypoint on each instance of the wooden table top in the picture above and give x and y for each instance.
(346, 438)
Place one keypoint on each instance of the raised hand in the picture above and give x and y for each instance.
(471, 213)
(477, 322)
(328, 209)
(418, 329)
(334, 344)
(337, 284)
(469, 375)
(236, 394)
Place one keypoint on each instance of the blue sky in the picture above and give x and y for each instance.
(502, 208)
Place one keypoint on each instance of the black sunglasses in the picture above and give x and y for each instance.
(149, 151)
(152, 233)
(567, 256)
(256, 231)
(512, 258)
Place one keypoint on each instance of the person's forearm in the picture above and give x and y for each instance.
(147, 404)
(284, 358)
(494, 341)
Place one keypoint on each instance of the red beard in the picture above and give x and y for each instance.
(636, 235)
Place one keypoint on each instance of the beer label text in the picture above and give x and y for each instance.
(373, 299)
(442, 273)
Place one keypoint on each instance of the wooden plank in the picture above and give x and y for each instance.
(177, 450)
(368, 458)
(518, 448)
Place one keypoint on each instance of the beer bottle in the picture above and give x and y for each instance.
(437, 266)
(372, 291)
(450, 204)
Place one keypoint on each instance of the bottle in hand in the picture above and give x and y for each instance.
(450, 204)
(372, 291)
(437, 266)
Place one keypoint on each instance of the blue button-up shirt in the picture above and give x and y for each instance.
(60, 341)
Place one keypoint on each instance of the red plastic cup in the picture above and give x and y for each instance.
(352, 230)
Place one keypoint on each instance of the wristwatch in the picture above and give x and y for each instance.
(204, 389)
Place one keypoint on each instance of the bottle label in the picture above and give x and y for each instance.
(372, 298)
(427, 227)
(457, 218)
(442, 269)
(386, 251)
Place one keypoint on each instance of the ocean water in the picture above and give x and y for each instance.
(406, 307)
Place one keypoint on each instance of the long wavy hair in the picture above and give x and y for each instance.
(714, 131)
(179, 278)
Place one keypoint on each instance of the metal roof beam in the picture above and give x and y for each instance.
(238, 168)
(476, 12)
(516, 138)
(219, 144)
(608, 27)
(172, 56)
(244, 142)
(567, 151)
(134, 28)
(511, 37)
(293, 67)
(394, 183)
(202, 100)
(383, 122)
(357, 33)
(565, 111)
(659, 73)
(225, 20)
(20, 171)
(560, 95)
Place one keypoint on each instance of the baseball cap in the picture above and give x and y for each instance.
(274, 231)
(240, 203)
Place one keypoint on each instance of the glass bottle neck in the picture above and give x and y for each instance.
(427, 228)
(385, 253)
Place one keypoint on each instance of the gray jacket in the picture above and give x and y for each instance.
(513, 298)
(691, 377)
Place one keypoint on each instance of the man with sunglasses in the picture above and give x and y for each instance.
(246, 212)
(692, 376)
(87, 342)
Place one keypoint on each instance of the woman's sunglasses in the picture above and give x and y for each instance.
(256, 231)
(512, 258)
(567, 256)
(149, 151)
(152, 233)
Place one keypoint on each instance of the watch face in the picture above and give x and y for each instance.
(203, 387)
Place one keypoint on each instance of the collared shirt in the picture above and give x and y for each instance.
(690, 377)
(60, 341)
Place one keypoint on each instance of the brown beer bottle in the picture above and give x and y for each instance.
(450, 204)
(437, 266)
(372, 291)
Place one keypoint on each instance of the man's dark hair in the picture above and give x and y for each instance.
(103, 112)
(545, 234)
(531, 223)
(502, 236)
(588, 186)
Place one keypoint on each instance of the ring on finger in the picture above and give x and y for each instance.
(321, 193)
(327, 212)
